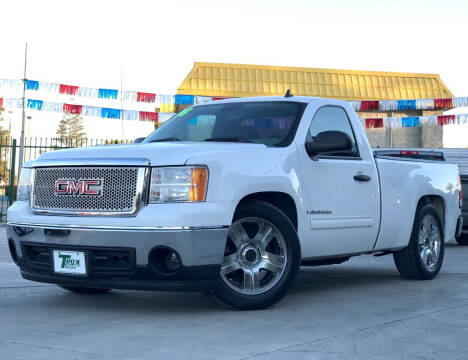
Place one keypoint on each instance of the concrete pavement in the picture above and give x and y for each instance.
(361, 309)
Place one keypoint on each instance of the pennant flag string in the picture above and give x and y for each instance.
(132, 115)
(415, 121)
(91, 111)
(166, 102)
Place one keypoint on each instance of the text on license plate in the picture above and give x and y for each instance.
(69, 262)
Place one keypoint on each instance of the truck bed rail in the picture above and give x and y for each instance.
(415, 154)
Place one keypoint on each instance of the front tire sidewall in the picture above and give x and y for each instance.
(263, 210)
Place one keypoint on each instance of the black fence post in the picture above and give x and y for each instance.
(11, 191)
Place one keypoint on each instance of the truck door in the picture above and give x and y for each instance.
(340, 191)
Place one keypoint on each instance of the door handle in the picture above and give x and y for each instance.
(362, 177)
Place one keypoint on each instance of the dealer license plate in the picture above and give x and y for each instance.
(69, 262)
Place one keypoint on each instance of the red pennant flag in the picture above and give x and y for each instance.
(148, 116)
(445, 119)
(374, 123)
(443, 103)
(72, 109)
(146, 97)
(68, 89)
(1, 102)
(369, 105)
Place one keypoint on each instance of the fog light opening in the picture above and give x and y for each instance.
(164, 260)
(13, 253)
(172, 261)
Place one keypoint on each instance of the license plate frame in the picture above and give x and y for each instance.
(75, 255)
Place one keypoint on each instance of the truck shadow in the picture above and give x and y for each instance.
(318, 284)
(339, 278)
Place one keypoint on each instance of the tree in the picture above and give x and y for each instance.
(71, 130)
(4, 142)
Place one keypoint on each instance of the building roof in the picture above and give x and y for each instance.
(235, 80)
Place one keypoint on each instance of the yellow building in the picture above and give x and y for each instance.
(235, 80)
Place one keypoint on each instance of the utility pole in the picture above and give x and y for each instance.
(121, 104)
(23, 119)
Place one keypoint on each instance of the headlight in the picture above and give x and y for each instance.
(178, 183)
(24, 185)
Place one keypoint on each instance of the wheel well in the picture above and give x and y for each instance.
(437, 202)
(282, 201)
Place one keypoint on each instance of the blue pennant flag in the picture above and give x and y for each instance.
(184, 99)
(108, 113)
(406, 104)
(35, 104)
(108, 93)
(32, 85)
(412, 121)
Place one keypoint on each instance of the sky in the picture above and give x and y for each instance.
(154, 43)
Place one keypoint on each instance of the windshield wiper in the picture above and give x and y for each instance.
(229, 139)
(165, 139)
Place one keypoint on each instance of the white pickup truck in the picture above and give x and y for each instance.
(231, 198)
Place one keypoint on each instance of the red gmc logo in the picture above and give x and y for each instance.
(78, 187)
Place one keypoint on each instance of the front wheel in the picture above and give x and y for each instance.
(261, 259)
(423, 257)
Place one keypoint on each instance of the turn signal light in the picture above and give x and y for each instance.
(199, 182)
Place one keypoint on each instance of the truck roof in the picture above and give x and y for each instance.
(303, 99)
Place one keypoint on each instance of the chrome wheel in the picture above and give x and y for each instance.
(255, 257)
(429, 242)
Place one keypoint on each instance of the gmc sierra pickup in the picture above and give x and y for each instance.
(230, 198)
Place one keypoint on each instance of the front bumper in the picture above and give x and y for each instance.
(119, 258)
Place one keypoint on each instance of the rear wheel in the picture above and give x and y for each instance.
(261, 260)
(423, 257)
(84, 290)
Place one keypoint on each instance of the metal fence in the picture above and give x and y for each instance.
(33, 148)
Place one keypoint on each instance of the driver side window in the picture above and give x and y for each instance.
(333, 118)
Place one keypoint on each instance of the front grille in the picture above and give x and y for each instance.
(119, 189)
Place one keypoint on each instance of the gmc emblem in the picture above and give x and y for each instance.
(78, 187)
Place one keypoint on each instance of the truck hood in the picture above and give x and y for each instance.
(158, 154)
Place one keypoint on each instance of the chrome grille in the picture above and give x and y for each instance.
(120, 190)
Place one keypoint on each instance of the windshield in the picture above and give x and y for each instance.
(273, 123)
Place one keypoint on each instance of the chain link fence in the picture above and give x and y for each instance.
(33, 148)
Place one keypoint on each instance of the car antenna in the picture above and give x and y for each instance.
(288, 93)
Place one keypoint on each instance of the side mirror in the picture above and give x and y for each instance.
(138, 140)
(328, 142)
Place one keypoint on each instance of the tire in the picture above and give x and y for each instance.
(258, 271)
(462, 240)
(84, 290)
(427, 229)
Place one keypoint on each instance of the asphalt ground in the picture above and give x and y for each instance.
(361, 309)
